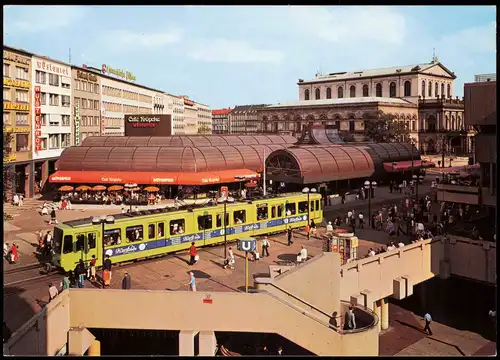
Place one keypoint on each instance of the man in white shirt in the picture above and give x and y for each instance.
(329, 227)
(401, 244)
(371, 252)
(391, 247)
(361, 220)
(303, 253)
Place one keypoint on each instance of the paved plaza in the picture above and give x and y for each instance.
(404, 337)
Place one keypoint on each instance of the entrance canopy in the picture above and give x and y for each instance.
(146, 178)
(400, 166)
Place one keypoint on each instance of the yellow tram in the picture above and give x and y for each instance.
(157, 232)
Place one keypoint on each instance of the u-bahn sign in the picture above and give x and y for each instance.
(247, 245)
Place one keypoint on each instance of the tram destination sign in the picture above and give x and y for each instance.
(148, 125)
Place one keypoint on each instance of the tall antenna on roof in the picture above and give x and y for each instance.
(434, 57)
(69, 56)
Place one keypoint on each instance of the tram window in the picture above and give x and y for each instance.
(262, 213)
(151, 231)
(218, 220)
(112, 237)
(240, 216)
(273, 212)
(177, 226)
(204, 222)
(67, 244)
(290, 209)
(312, 205)
(280, 211)
(302, 207)
(80, 242)
(134, 233)
(91, 238)
(317, 205)
(161, 229)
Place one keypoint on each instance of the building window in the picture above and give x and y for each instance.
(65, 120)
(317, 94)
(423, 88)
(21, 73)
(340, 92)
(54, 99)
(378, 90)
(436, 90)
(65, 85)
(21, 119)
(43, 143)
(306, 94)
(448, 91)
(337, 124)
(21, 96)
(6, 94)
(22, 142)
(53, 121)
(328, 93)
(351, 125)
(6, 70)
(407, 88)
(413, 123)
(84, 86)
(77, 84)
(65, 140)
(40, 77)
(53, 79)
(96, 89)
(91, 87)
(43, 119)
(54, 141)
(96, 121)
(43, 98)
(96, 104)
(442, 90)
(430, 89)
(6, 118)
(65, 100)
(392, 89)
(365, 90)
(352, 91)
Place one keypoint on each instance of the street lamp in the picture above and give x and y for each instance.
(103, 219)
(416, 180)
(308, 191)
(412, 144)
(370, 186)
(225, 200)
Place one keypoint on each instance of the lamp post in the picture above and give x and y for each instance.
(308, 191)
(370, 186)
(417, 179)
(412, 143)
(103, 219)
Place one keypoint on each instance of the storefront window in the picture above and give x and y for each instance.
(22, 142)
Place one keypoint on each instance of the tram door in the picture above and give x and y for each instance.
(86, 246)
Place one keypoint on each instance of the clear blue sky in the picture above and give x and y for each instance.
(224, 56)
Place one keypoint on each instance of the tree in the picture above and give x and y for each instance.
(204, 129)
(381, 127)
(8, 169)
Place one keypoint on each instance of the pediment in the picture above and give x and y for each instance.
(440, 70)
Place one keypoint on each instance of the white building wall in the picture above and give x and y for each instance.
(204, 118)
(175, 108)
(118, 127)
(57, 117)
(190, 119)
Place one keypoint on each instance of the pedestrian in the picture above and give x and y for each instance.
(53, 292)
(289, 235)
(265, 246)
(229, 263)
(313, 228)
(193, 253)
(371, 252)
(126, 282)
(106, 272)
(92, 269)
(361, 221)
(53, 219)
(329, 227)
(349, 319)
(21, 200)
(14, 254)
(428, 320)
(80, 273)
(303, 253)
(6, 333)
(192, 282)
(65, 283)
(349, 215)
(391, 185)
(6, 250)
(280, 350)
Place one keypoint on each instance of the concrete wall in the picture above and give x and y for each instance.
(46, 333)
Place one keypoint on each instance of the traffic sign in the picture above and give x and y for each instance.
(247, 245)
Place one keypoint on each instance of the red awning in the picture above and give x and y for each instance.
(148, 178)
(407, 165)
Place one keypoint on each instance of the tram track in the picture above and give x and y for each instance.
(26, 274)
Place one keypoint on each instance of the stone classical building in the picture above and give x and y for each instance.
(243, 119)
(421, 95)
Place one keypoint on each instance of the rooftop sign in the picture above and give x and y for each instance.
(125, 75)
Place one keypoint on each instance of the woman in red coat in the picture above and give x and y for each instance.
(14, 255)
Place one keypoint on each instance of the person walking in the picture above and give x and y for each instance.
(192, 282)
(289, 234)
(53, 219)
(106, 271)
(193, 252)
(361, 220)
(265, 246)
(92, 270)
(349, 319)
(65, 283)
(53, 292)
(428, 320)
(14, 254)
(229, 263)
(80, 273)
(126, 282)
